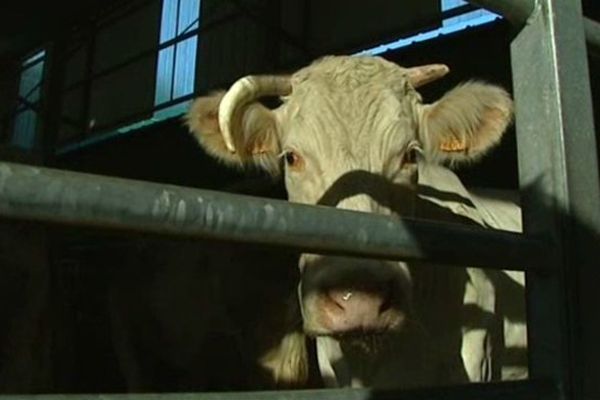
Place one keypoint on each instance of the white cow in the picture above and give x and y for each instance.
(353, 133)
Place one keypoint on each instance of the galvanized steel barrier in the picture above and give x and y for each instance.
(48, 195)
(561, 203)
(535, 390)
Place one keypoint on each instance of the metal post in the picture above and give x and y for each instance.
(519, 11)
(516, 11)
(561, 199)
(592, 35)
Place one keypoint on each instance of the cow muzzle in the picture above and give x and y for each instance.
(345, 297)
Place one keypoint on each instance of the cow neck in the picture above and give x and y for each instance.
(440, 188)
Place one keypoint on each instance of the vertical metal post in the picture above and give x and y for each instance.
(592, 36)
(559, 179)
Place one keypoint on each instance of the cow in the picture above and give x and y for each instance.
(353, 133)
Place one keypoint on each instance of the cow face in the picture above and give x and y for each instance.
(348, 134)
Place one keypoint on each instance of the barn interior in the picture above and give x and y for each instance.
(101, 87)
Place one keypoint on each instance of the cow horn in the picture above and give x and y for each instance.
(245, 91)
(419, 76)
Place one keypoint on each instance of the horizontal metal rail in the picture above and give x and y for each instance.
(50, 195)
(519, 11)
(523, 390)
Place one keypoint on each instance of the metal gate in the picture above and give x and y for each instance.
(559, 183)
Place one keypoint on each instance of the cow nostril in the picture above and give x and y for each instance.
(340, 298)
(386, 304)
(349, 300)
(387, 296)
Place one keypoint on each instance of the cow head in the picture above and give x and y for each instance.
(346, 122)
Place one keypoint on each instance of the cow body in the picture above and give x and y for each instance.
(469, 319)
(353, 133)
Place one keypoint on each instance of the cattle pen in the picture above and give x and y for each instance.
(560, 196)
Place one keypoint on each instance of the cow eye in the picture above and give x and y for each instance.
(292, 159)
(410, 156)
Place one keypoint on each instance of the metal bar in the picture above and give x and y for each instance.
(524, 390)
(558, 171)
(175, 46)
(516, 11)
(592, 36)
(519, 11)
(49, 195)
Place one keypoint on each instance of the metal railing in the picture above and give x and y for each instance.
(559, 181)
(49, 195)
(535, 390)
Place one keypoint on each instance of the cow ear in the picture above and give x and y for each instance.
(257, 143)
(466, 123)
